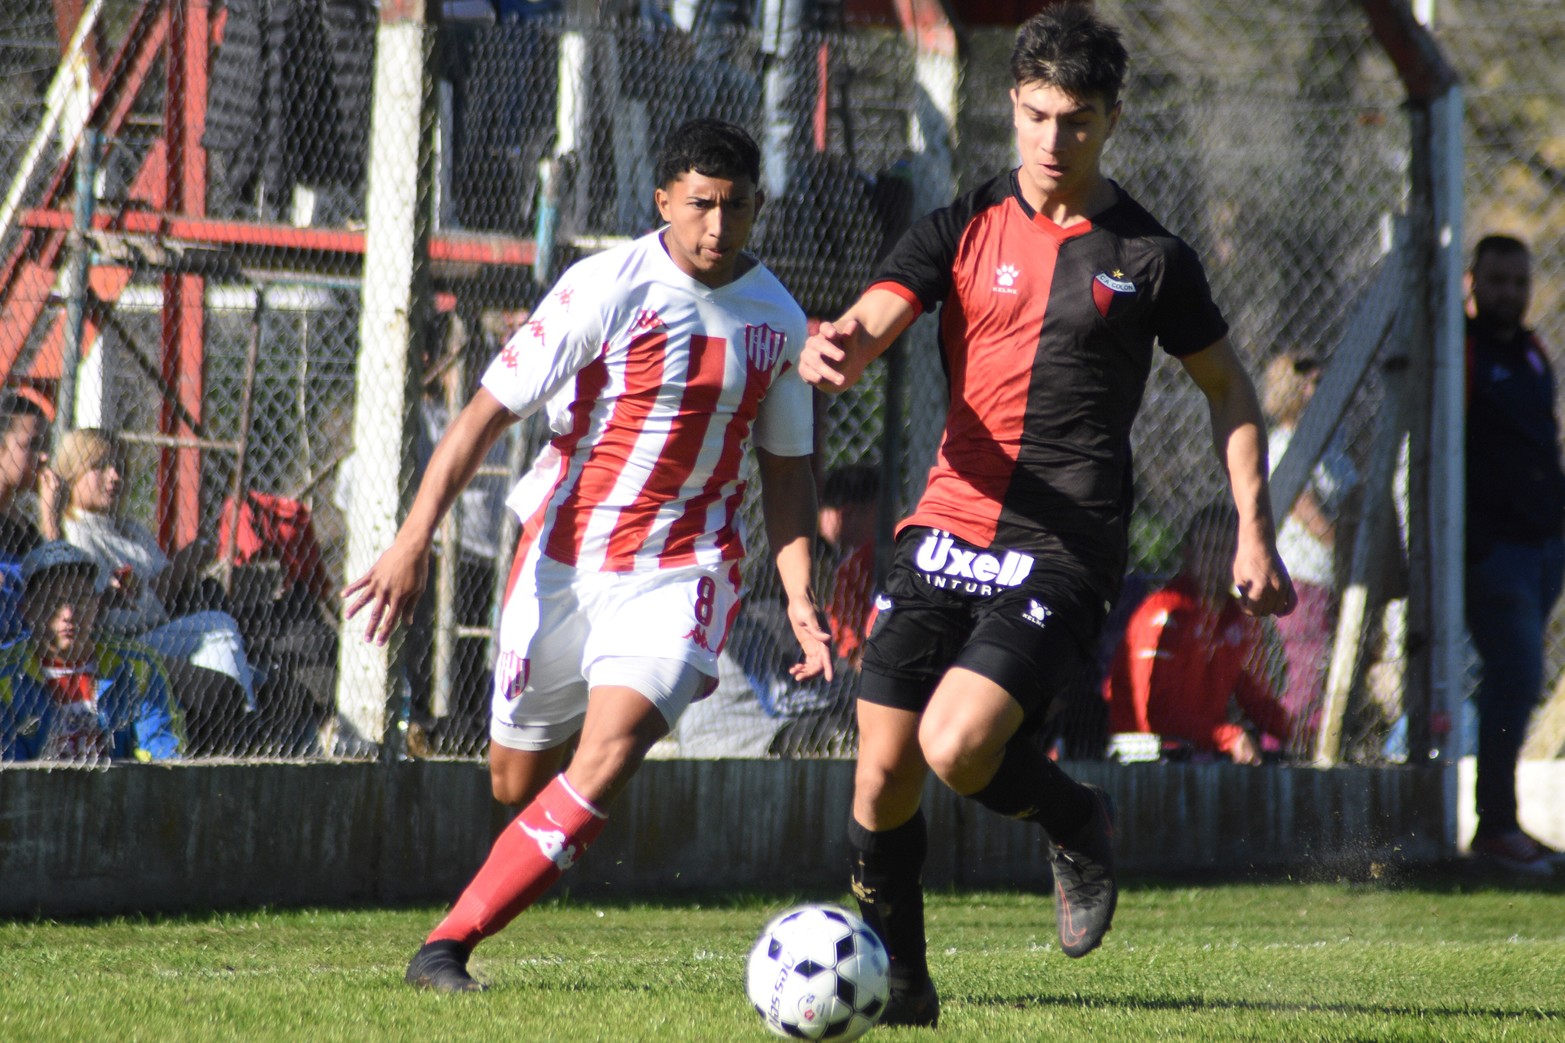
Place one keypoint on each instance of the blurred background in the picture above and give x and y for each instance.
(184, 236)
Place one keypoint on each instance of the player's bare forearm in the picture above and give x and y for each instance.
(391, 587)
(788, 506)
(836, 355)
(1239, 435)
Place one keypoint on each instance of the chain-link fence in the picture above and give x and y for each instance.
(1515, 185)
(217, 309)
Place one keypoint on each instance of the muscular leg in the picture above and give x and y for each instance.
(621, 726)
(965, 729)
(556, 827)
(888, 780)
(969, 736)
(518, 776)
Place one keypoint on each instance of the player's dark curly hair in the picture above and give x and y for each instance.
(712, 147)
(1069, 47)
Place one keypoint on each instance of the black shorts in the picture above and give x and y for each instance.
(1029, 627)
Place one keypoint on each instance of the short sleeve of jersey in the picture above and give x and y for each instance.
(785, 422)
(564, 333)
(1185, 319)
(924, 258)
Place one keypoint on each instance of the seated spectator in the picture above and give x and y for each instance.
(849, 515)
(24, 431)
(69, 694)
(1189, 651)
(203, 650)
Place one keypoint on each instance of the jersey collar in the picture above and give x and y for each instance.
(1048, 226)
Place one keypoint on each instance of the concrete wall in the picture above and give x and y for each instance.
(196, 836)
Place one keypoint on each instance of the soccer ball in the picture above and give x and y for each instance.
(818, 972)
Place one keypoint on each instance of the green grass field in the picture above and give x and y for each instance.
(1434, 960)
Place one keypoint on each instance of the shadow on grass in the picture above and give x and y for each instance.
(1193, 1006)
(1451, 877)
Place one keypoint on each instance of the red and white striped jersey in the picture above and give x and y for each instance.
(652, 384)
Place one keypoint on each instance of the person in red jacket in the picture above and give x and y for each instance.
(1189, 650)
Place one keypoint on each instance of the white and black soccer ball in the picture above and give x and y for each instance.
(818, 972)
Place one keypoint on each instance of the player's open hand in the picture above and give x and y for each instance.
(390, 590)
(1261, 583)
(814, 642)
(822, 363)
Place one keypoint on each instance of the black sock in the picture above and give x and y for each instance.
(888, 881)
(1031, 787)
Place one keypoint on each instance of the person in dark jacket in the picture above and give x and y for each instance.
(1515, 550)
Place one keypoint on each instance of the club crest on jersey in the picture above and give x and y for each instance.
(1105, 285)
(763, 345)
(1005, 278)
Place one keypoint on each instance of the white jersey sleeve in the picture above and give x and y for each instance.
(785, 423)
(564, 333)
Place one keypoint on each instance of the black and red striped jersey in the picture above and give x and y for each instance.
(1046, 336)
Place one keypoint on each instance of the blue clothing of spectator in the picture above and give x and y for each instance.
(126, 712)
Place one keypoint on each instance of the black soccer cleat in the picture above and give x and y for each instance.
(442, 967)
(1084, 888)
(914, 1003)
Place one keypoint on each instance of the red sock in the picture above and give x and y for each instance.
(547, 838)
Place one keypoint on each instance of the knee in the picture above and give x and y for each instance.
(957, 758)
(874, 782)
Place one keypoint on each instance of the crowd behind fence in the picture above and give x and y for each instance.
(1274, 138)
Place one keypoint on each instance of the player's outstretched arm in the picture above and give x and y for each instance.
(834, 358)
(1260, 579)
(788, 504)
(391, 587)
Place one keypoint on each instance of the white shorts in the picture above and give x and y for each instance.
(564, 631)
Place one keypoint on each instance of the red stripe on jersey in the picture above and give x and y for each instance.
(606, 460)
(735, 579)
(689, 527)
(681, 451)
(901, 291)
(991, 346)
(590, 382)
(531, 527)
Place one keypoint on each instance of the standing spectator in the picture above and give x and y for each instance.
(204, 652)
(849, 518)
(1056, 286)
(1189, 652)
(1307, 541)
(1515, 553)
(68, 694)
